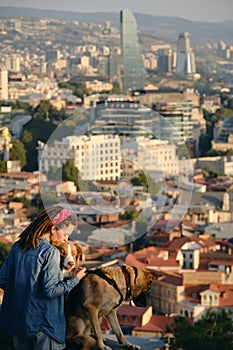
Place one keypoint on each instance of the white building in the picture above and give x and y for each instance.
(12, 63)
(150, 155)
(3, 83)
(96, 157)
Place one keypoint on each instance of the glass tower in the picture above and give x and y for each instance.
(185, 63)
(133, 70)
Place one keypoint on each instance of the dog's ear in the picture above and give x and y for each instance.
(155, 275)
(79, 250)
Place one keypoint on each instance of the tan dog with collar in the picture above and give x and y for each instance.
(99, 294)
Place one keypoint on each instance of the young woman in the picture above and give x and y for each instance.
(33, 302)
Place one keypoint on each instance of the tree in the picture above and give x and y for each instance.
(3, 167)
(40, 130)
(27, 203)
(146, 181)
(214, 331)
(230, 103)
(129, 214)
(116, 89)
(140, 180)
(4, 251)
(18, 152)
(27, 136)
(42, 110)
(71, 173)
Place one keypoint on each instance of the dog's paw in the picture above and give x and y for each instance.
(104, 347)
(107, 347)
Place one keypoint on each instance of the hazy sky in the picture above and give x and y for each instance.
(203, 10)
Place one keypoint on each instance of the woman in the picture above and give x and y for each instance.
(33, 303)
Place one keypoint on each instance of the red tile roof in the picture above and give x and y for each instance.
(178, 242)
(130, 310)
(192, 293)
(157, 323)
(174, 279)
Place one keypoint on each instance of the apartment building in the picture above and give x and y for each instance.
(97, 157)
(3, 83)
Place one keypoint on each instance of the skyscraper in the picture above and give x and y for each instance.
(133, 70)
(3, 83)
(185, 64)
(165, 60)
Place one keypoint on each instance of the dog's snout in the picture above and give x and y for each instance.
(70, 263)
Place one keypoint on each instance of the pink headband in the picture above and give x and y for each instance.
(64, 213)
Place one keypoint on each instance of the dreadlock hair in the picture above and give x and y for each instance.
(30, 237)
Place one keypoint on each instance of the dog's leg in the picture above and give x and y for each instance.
(94, 318)
(112, 319)
(78, 332)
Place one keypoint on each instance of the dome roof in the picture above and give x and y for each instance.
(226, 128)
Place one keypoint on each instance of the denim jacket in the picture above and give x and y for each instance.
(34, 288)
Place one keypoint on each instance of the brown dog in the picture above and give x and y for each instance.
(70, 253)
(99, 294)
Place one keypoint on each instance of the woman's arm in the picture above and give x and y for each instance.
(53, 286)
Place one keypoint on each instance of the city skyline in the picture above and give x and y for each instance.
(206, 10)
(134, 73)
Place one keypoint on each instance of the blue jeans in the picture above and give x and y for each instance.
(39, 341)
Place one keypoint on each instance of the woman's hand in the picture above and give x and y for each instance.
(81, 272)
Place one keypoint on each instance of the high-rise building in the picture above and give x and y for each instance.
(176, 124)
(3, 83)
(12, 63)
(133, 70)
(165, 60)
(115, 66)
(185, 64)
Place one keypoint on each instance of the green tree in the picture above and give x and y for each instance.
(18, 152)
(3, 167)
(27, 203)
(116, 88)
(4, 251)
(129, 214)
(212, 332)
(40, 130)
(230, 103)
(80, 90)
(42, 110)
(22, 105)
(140, 180)
(27, 136)
(71, 173)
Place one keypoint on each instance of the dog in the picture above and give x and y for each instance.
(99, 294)
(71, 254)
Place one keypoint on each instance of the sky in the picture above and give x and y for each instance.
(197, 10)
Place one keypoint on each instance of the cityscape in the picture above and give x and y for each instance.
(133, 132)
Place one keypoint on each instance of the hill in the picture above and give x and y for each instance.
(163, 27)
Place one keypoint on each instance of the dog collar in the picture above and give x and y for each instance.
(127, 281)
